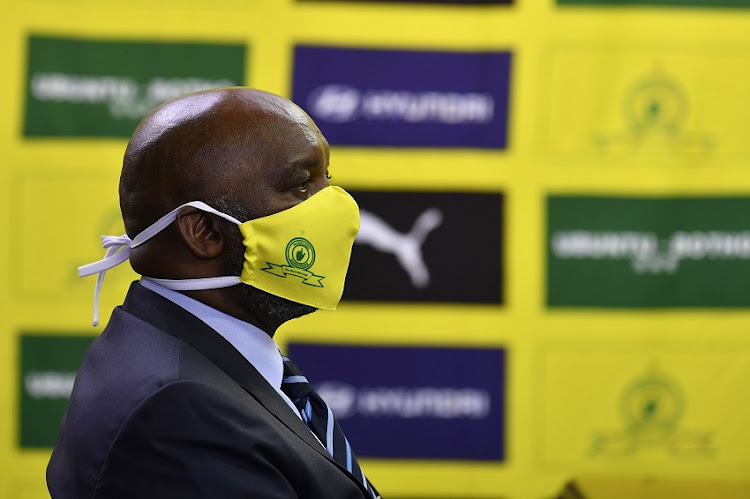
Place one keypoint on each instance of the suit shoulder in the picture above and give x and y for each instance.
(193, 439)
(190, 433)
(130, 361)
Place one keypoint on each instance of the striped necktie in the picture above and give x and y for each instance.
(318, 417)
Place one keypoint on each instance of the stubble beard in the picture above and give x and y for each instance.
(273, 310)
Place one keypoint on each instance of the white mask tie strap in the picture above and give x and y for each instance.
(118, 250)
(197, 284)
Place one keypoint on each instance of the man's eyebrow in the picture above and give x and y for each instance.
(295, 171)
(297, 168)
(303, 163)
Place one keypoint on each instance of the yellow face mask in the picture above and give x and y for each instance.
(301, 254)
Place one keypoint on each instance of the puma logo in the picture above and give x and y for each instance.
(407, 248)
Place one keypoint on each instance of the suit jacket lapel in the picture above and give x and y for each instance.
(176, 321)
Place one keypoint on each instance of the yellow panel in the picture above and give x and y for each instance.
(54, 242)
(677, 405)
(647, 102)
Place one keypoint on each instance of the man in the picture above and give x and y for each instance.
(232, 224)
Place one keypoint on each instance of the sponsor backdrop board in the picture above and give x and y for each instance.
(38, 272)
(644, 402)
(637, 103)
(85, 87)
(366, 97)
(427, 247)
(552, 264)
(414, 401)
(648, 252)
(49, 363)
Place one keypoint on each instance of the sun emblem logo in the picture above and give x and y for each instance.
(300, 256)
(300, 253)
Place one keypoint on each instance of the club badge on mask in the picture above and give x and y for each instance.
(301, 254)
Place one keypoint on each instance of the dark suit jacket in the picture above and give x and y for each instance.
(164, 407)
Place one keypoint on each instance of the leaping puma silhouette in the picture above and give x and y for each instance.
(407, 248)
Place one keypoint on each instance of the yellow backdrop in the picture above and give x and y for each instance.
(572, 69)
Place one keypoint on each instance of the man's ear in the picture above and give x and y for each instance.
(201, 233)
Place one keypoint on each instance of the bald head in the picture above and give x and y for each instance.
(206, 146)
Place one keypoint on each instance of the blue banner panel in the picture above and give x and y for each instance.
(404, 98)
(412, 402)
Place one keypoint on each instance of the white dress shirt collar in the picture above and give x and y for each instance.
(254, 344)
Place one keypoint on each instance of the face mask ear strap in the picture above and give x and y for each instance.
(118, 248)
(170, 217)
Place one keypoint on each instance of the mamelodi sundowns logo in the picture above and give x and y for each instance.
(670, 103)
(648, 252)
(85, 87)
(644, 404)
(49, 363)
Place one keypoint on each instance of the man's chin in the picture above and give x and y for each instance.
(282, 310)
(274, 309)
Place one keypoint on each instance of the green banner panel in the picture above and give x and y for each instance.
(648, 252)
(682, 3)
(97, 88)
(48, 367)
